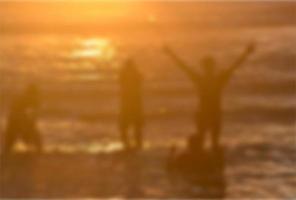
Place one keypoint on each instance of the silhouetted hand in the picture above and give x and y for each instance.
(167, 49)
(250, 48)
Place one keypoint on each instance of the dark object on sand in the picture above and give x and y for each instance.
(200, 167)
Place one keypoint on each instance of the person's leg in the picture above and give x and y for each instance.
(37, 141)
(216, 134)
(124, 135)
(201, 127)
(9, 140)
(33, 134)
(139, 135)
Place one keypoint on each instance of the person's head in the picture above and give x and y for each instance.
(208, 64)
(129, 67)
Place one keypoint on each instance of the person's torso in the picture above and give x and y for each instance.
(210, 93)
(131, 93)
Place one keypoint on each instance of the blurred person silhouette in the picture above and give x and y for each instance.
(22, 120)
(32, 99)
(131, 113)
(199, 166)
(209, 85)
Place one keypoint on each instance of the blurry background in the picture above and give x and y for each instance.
(73, 51)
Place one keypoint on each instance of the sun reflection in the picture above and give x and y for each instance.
(21, 147)
(92, 148)
(106, 148)
(100, 48)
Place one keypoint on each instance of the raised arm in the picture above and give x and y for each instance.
(250, 48)
(193, 75)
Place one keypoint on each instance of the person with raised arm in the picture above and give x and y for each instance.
(209, 84)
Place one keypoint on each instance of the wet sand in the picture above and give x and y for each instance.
(116, 175)
(143, 175)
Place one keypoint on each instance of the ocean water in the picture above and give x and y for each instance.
(77, 75)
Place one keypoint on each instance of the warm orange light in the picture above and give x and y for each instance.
(100, 48)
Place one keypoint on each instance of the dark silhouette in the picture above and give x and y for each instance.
(209, 85)
(22, 120)
(131, 114)
(200, 167)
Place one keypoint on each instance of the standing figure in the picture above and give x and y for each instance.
(31, 132)
(22, 121)
(209, 85)
(131, 113)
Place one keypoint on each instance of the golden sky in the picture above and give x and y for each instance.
(93, 12)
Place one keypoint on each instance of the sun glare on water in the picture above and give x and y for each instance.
(96, 48)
